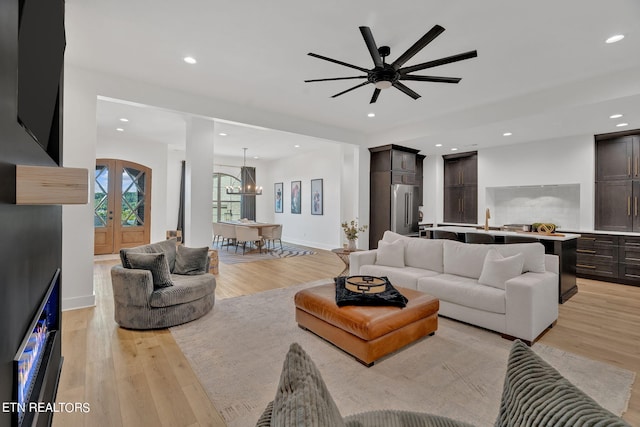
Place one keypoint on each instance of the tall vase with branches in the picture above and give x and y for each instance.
(351, 230)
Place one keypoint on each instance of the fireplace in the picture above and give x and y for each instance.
(37, 363)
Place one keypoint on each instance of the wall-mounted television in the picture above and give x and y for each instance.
(41, 45)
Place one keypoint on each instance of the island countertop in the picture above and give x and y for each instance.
(460, 229)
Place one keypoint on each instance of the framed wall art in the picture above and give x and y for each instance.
(317, 198)
(296, 197)
(278, 196)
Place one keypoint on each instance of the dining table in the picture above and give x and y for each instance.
(251, 224)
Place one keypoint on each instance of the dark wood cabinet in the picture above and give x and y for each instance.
(618, 158)
(609, 257)
(460, 188)
(390, 165)
(615, 205)
(597, 255)
(617, 182)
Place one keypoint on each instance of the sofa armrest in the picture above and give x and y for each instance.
(531, 304)
(552, 263)
(358, 259)
(131, 287)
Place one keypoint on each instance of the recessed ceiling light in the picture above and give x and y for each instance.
(296, 146)
(615, 116)
(371, 115)
(190, 60)
(454, 149)
(622, 124)
(256, 157)
(438, 145)
(120, 129)
(124, 120)
(507, 134)
(615, 38)
(222, 134)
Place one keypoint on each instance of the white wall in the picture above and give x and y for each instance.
(320, 231)
(551, 162)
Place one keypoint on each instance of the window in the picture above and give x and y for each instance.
(226, 207)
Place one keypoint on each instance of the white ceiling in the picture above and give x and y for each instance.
(543, 70)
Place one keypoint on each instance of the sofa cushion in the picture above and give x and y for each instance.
(154, 262)
(497, 269)
(168, 247)
(464, 291)
(191, 261)
(424, 253)
(535, 394)
(533, 255)
(464, 259)
(185, 289)
(406, 277)
(302, 398)
(390, 236)
(390, 254)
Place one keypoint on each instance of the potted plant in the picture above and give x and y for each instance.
(351, 230)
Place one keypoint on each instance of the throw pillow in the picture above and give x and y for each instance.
(168, 247)
(302, 398)
(390, 254)
(156, 263)
(498, 269)
(191, 261)
(535, 394)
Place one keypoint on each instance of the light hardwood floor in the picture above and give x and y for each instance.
(141, 378)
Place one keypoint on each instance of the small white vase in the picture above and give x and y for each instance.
(352, 245)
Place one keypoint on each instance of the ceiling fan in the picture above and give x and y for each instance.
(384, 75)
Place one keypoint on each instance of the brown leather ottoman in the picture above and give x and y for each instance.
(367, 333)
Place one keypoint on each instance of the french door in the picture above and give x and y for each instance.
(122, 205)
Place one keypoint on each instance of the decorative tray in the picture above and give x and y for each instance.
(365, 284)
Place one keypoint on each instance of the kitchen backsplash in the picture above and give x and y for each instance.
(558, 204)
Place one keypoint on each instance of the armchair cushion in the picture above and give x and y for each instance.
(191, 261)
(302, 398)
(168, 247)
(535, 394)
(156, 263)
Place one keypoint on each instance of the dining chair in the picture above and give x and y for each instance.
(442, 234)
(271, 234)
(479, 238)
(520, 239)
(228, 233)
(217, 233)
(246, 235)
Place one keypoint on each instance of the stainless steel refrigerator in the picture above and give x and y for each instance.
(404, 209)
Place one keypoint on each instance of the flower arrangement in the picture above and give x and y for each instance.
(351, 229)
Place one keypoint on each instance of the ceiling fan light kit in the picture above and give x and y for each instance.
(384, 76)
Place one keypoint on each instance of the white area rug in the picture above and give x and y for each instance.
(238, 348)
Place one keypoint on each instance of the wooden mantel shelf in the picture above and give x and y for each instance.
(44, 185)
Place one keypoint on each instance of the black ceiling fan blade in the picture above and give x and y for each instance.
(335, 61)
(441, 61)
(418, 46)
(406, 90)
(374, 98)
(431, 79)
(335, 78)
(350, 89)
(371, 45)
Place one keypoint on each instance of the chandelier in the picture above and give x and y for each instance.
(248, 186)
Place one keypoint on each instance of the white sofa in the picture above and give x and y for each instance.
(521, 306)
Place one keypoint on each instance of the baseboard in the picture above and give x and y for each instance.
(78, 302)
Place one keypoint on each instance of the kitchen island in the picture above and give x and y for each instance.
(563, 245)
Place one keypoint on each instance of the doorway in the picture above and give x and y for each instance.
(122, 205)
